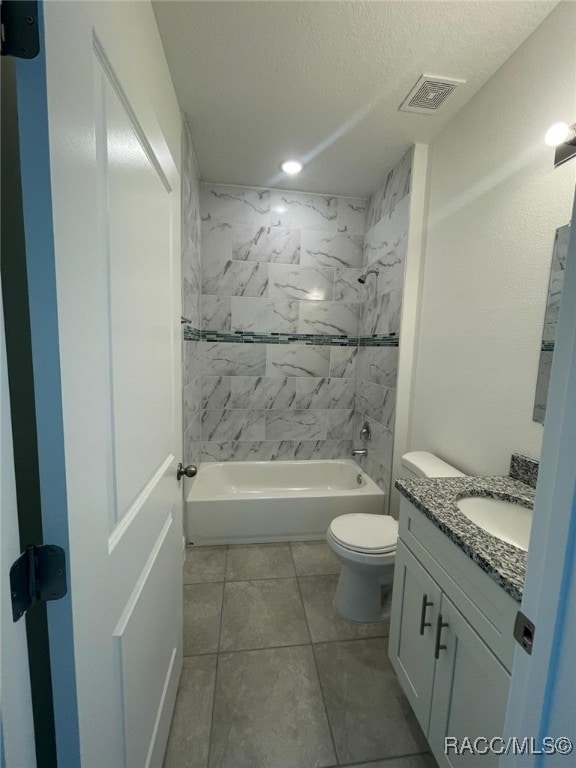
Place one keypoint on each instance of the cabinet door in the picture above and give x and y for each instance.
(415, 606)
(470, 692)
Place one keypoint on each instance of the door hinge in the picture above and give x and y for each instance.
(38, 575)
(19, 28)
(524, 631)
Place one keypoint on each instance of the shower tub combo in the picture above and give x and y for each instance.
(260, 501)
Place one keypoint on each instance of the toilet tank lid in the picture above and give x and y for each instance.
(424, 464)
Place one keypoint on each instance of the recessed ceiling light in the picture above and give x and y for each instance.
(559, 133)
(291, 167)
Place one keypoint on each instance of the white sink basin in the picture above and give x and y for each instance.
(503, 519)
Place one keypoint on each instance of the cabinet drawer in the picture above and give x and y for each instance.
(488, 608)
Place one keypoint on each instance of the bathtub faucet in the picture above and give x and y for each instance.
(359, 451)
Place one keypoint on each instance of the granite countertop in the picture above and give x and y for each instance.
(436, 499)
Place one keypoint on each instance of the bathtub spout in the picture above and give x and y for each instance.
(360, 452)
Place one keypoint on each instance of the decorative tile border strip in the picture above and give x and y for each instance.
(191, 334)
(252, 337)
(311, 339)
(379, 341)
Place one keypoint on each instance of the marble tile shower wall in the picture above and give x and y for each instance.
(278, 262)
(190, 237)
(384, 250)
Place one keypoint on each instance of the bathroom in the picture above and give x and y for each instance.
(352, 336)
(436, 350)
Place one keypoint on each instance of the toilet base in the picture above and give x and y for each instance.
(363, 599)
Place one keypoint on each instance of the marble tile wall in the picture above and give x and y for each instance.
(191, 278)
(381, 299)
(284, 263)
(275, 262)
(262, 402)
(280, 262)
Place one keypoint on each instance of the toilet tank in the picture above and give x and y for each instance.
(424, 464)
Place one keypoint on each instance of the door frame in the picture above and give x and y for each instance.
(19, 663)
(41, 268)
(20, 370)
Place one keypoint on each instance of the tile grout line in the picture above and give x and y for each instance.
(280, 647)
(217, 662)
(264, 578)
(315, 660)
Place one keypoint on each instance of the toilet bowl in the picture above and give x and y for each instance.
(365, 545)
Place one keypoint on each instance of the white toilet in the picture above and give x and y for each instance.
(365, 545)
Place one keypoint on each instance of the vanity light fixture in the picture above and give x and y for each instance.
(563, 137)
(291, 167)
(560, 133)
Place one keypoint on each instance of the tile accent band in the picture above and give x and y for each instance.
(250, 337)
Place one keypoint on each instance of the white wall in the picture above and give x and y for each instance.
(495, 202)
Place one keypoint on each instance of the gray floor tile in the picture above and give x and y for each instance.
(325, 624)
(414, 761)
(190, 730)
(312, 558)
(369, 714)
(262, 614)
(259, 561)
(268, 712)
(204, 564)
(202, 610)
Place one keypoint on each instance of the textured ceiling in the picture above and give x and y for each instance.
(264, 81)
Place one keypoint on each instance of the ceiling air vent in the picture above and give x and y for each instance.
(429, 94)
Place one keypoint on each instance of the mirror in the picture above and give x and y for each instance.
(551, 320)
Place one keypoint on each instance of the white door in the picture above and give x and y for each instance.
(16, 725)
(115, 193)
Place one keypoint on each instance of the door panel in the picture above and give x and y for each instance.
(138, 232)
(148, 641)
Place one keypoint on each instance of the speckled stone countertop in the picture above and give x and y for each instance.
(436, 499)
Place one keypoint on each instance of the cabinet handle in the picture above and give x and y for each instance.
(439, 627)
(423, 622)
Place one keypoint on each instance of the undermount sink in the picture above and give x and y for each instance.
(506, 520)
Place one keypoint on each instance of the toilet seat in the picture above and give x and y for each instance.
(369, 534)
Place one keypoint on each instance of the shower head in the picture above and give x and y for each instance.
(362, 278)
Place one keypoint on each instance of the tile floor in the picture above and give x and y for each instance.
(273, 678)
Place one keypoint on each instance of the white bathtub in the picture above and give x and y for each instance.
(257, 501)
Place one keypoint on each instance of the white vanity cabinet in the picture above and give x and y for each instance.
(451, 640)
